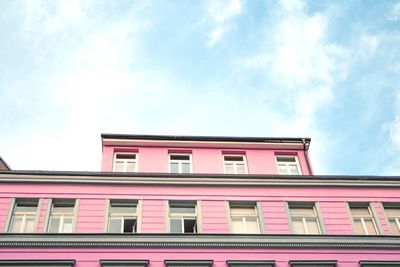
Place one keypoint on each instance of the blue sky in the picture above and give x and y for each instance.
(329, 70)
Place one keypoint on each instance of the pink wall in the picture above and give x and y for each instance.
(91, 257)
(91, 215)
(205, 160)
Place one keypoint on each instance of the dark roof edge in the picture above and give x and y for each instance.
(202, 175)
(5, 163)
(208, 138)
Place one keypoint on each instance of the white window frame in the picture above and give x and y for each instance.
(236, 204)
(363, 217)
(317, 216)
(246, 171)
(287, 164)
(12, 213)
(123, 216)
(386, 206)
(183, 216)
(126, 161)
(50, 214)
(179, 161)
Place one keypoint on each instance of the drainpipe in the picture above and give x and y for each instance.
(306, 156)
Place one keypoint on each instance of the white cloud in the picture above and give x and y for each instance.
(394, 13)
(220, 13)
(298, 59)
(368, 44)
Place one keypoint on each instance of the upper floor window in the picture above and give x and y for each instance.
(363, 219)
(125, 162)
(304, 218)
(235, 164)
(244, 218)
(288, 165)
(180, 163)
(188, 263)
(24, 216)
(122, 216)
(183, 217)
(313, 263)
(62, 216)
(393, 216)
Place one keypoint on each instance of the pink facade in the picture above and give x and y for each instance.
(274, 200)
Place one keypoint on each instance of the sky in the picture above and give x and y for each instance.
(329, 70)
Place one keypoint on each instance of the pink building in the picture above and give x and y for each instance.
(180, 201)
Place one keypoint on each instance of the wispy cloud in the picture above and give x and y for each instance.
(220, 14)
(394, 13)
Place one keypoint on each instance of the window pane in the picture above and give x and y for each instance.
(393, 212)
(67, 227)
(176, 225)
(182, 209)
(29, 225)
(298, 226)
(312, 226)
(294, 170)
(119, 166)
(131, 167)
(123, 208)
(129, 226)
(282, 170)
(190, 226)
(237, 226)
(370, 227)
(358, 227)
(394, 227)
(174, 167)
(233, 158)
(229, 168)
(252, 226)
(54, 225)
(179, 157)
(126, 156)
(16, 224)
(286, 159)
(360, 211)
(240, 169)
(243, 211)
(302, 211)
(114, 225)
(185, 167)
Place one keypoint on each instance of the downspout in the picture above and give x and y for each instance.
(306, 156)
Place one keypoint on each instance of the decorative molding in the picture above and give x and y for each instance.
(379, 263)
(318, 263)
(249, 263)
(151, 179)
(198, 241)
(187, 263)
(127, 263)
(34, 263)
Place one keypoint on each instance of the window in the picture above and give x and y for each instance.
(379, 263)
(31, 263)
(127, 263)
(182, 217)
(250, 263)
(244, 218)
(304, 218)
(322, 263)
(188, 263)
(180, 163)
(363, 220)
(235, 164)
(24, 216)
(125, 162)
(62, 216)
(122, 216)
(288, 165)
(393, 217)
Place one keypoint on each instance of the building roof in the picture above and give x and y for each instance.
(121, 139)
(4, 166)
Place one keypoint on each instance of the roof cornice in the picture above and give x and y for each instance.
(198, 241)
(167, 179)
